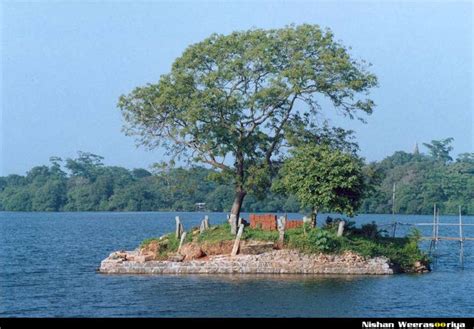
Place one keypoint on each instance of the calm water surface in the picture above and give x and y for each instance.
(48, 265)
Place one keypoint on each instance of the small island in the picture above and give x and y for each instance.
(268, 245)
(249, 104)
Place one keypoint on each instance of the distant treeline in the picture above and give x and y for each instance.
(86, 184)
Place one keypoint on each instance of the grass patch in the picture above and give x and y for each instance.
(167, 244)
(259, 234)
(216, 233)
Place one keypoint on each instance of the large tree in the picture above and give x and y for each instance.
(230, 99)
(440, 149)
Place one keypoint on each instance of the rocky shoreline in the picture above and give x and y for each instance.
(283, 261)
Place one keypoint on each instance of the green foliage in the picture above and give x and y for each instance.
(16, 198)
(323, 177)
(312, 240)
(259, 234)
(237, 96)
(216, 234)
(422, 180)
(168, 244)
(50, 196)
(119, 189)
(402, 251)
(369, 230)
(439, 150)
(86, 165)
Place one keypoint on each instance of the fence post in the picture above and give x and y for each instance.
(461, 239)
(281, 230)
(233, 224)
(178, 227)
(181, 241)
(235, 248)
(340, 229)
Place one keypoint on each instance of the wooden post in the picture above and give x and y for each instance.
(393, 199)
(437, 228)
(461, 239)
(233, 223)
(394, 229)
(340, 228)
(202, 228)
(433, 236)
(178, 227)
(281, 230)
(206, 222)
(235, 248)
(181, 241)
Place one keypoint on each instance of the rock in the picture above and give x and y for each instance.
(175, 257)
(421, 267)
(219, 248)
(153, 247)
(191, 251)
(275, 261)
(143, 258)
(255, 247)
(118, 255)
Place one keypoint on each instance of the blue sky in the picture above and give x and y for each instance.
(64, 65)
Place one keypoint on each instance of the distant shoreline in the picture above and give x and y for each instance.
(323, 215)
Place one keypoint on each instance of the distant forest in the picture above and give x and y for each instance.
(86, 184)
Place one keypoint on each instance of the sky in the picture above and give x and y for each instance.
(64, 65)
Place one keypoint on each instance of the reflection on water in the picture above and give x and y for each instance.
(49, 262)
(281, 278)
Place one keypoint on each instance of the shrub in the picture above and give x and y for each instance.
(402, 251)
(315, 240)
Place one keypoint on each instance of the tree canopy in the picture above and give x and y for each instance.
(230, 100)
(322, 177)
(439, 149)
(420, 179)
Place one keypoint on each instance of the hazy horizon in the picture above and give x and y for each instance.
(64, 65)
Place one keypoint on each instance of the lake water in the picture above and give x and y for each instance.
(48, 265)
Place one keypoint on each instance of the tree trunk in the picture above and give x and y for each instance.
(314, 215)
(235, 211)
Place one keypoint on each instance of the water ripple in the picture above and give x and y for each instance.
(49, 262)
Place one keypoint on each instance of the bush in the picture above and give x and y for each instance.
(370, 230)
(402, 251)
(314, 240)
